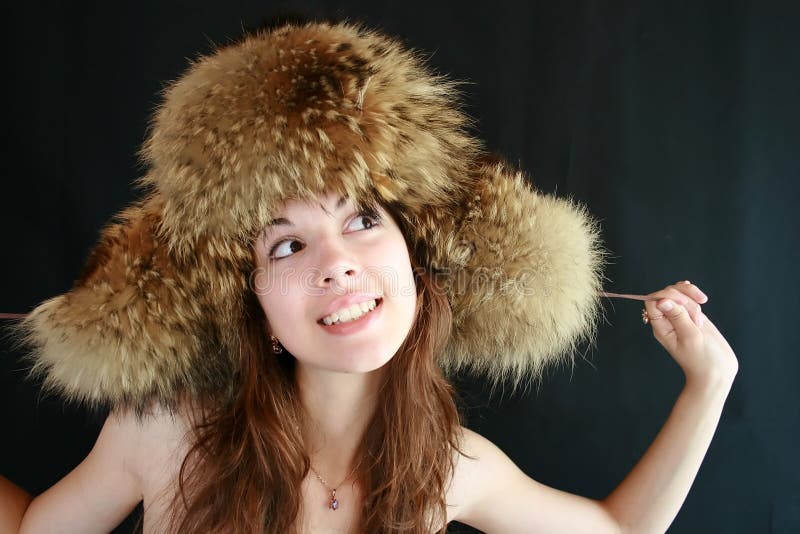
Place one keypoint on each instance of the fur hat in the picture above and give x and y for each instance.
(291, 113)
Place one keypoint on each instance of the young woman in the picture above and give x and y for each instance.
(320, 240)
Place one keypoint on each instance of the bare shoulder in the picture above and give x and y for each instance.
(475, 449)
(476, 452)
(164, 438)
(159, 425)
(475, 443)
(155, 436)
(490, 493)
(143, 444)
(113, 478)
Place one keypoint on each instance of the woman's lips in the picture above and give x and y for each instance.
(351, 327)
(348, 301)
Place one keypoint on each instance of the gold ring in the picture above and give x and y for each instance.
(646, 316)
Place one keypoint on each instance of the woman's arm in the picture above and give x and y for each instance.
(500, 498)
(98, 494)
(651, 495)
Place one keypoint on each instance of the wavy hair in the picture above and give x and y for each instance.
(244, 470)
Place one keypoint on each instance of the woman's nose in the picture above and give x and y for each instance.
(337, 265)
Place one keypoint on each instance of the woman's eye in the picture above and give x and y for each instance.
(280, 250)
(372, 217)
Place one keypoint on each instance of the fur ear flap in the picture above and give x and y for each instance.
(137, 326)
(522, 271)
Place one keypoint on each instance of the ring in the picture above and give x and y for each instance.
(646, 317)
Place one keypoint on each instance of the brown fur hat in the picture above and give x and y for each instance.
(291, 113)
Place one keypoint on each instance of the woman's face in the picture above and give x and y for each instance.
(322, 256)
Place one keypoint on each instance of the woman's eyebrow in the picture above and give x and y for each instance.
(282, 221)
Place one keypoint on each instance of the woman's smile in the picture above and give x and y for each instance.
(352, 326)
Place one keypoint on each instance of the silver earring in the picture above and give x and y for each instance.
(276, 345)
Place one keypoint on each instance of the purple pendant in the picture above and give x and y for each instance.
(334, 504)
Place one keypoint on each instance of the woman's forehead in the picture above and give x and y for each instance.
(310, 207)
(328, 202)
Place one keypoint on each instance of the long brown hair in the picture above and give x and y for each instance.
(244, 470)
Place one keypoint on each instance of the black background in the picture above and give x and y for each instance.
(676, 122)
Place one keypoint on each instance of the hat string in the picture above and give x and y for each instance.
(601, 293)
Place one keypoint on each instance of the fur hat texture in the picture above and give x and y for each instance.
(292, 113)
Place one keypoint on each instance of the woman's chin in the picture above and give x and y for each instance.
(349, 363)
(349, 355)
(359, 365)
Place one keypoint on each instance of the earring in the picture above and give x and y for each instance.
(276, 346)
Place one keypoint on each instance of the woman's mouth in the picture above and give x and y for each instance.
(351, 313)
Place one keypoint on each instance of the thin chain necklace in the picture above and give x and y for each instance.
(334, 502)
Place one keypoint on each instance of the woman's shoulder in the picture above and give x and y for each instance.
(473, 447)
(465, 463)
(119, 471)
(149, 445)
(156, 423)
(143, 432)
(478, 464)
(159, 439)
(152, 439)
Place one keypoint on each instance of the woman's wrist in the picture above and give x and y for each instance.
(714, 385)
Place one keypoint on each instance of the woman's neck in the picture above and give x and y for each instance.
(339, 408)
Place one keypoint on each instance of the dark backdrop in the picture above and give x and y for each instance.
(675, 121)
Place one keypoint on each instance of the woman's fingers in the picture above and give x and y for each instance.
(691, 290)
(683, 294)
(679, 318)
(697, 297)
(662, 326)
(672, 324)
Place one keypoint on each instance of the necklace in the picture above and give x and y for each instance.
(334, 502)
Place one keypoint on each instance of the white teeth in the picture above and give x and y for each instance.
(350, 313)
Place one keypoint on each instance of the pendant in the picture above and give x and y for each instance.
(334, 503)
